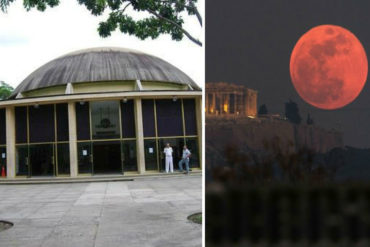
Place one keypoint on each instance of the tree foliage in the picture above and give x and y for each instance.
(292, 112)
(5, 90)
(162, 16)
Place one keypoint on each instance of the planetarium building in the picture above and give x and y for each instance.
(99, 111)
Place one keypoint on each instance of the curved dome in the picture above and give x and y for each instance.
(103, 64)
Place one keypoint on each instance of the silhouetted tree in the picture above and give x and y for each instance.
(262, 110)
(309, 119)
(292, 112)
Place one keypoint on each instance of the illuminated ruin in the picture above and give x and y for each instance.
(228, 99)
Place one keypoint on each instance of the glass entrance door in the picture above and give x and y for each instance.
(22, 164)
(176, 144)
(42, 160)
(129, 162)
(107, 157)
(85, 158)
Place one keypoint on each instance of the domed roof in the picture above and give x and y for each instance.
(103, 64)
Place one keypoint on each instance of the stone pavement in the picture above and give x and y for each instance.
(144, 212)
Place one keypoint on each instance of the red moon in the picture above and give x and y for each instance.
(328, 67)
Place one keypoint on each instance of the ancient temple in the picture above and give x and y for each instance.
(228, 99)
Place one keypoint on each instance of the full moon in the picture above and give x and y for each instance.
(328, 67)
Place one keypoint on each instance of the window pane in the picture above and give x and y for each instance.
(128, 119)
(150, 155)
(129, 155)
(21, 124)
(83, 120)
(190, 117)
(41, 123)
(169, 117)
(21, 168)
(84, 157)
(192, 144)
(62, 122)
(105, 120)
(63, 158)
(2, 127)
(148, 118)
(42, 160)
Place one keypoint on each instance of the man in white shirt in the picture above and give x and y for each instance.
(169, 160)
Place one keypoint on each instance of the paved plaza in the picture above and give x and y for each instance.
(149, 211)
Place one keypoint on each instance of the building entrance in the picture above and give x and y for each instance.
(107, 157)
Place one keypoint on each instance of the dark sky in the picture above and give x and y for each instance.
(250, 42)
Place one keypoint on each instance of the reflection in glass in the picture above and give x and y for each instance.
(21, 167)
(150, 155)
(105, 119)
(63, 159)
(84, 157)
(129, 156)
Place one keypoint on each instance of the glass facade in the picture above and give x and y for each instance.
(106, 136)
(42, 147)
(110, 148)
(169, 121)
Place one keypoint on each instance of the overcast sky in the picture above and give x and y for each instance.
(30, 39)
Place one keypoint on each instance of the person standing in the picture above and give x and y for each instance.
(185, 159)
(169, 160)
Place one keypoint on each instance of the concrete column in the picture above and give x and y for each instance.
(72, 139)
(10, 141)
(139, 136)
(199, 115)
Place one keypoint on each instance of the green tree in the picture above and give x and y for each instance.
(5, 90)
(163, 16)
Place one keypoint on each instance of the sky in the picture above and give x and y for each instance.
(249, 42)
(30, 39)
